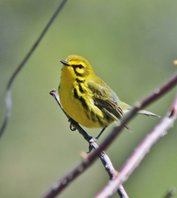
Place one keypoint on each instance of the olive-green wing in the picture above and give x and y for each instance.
(105, 99)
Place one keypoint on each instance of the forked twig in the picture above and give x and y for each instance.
(8, 97)
(93, 145)
(140, 152)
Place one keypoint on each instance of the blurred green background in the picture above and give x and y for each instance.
(131, 45)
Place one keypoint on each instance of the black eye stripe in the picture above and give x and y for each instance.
(79, 66)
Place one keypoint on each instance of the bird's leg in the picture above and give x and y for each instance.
(72, 124)
(97, 137)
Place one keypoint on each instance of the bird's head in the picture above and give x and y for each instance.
(77, 66)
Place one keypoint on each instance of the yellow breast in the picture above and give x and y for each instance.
(77, 109)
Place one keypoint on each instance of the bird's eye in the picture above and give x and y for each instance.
(80, 66)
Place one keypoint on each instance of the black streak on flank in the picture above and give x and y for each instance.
(79, 80)
(81, 99)
(81, 88)
(76, 94)
(84, 104)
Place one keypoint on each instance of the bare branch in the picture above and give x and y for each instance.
(140, 152)
(53, 192)
(84, 164)
(8, 98)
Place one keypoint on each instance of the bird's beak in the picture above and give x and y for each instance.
(64, 63)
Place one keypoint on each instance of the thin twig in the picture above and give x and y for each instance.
(53, 192)
(140, 152)
(84, 164)
(8, 98)
(172, 82)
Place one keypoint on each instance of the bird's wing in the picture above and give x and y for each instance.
(105, 99)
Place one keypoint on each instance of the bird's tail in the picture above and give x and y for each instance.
(125, 107)
(148, 113)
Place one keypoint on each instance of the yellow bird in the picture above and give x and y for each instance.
(86, 98)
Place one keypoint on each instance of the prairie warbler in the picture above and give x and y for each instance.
(86, 98)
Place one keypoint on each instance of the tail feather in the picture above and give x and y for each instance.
(127, 108)
(148, 113)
